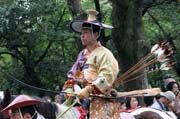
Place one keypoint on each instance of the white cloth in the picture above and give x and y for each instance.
(77, 88)
(39, 116)
(156, 105)
(126, 115)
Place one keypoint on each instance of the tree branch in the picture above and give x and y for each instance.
(152, 3)
(20, 54)
(102, 35)
(146, 5)
(45, 52)
(10, 53)
(158, 24)
(60, 19)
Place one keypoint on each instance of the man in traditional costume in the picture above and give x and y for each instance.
(95, 69)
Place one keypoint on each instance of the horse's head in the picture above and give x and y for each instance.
(68, 112)
(148, 115)
(151, 113)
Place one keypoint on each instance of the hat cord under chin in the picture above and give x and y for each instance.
(21, 116)
(92, 33)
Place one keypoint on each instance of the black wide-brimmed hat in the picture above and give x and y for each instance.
(91, 22)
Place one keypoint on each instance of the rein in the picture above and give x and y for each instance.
(62, 92)
(73, 94)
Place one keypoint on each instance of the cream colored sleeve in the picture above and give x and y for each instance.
(107, 71)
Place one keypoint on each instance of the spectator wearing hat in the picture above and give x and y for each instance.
(23, 107)
(95, 69)
(166, 98)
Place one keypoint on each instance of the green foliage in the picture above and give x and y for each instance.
(167, 15)
(27, 28)
(38, 48)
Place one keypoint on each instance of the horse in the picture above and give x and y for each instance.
(52, 110)
(139, 113)
(148, 113)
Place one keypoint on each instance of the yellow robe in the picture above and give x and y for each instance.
(101, 69)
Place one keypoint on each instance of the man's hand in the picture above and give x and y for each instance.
(85, 92)
(69, 92)
(81, 82)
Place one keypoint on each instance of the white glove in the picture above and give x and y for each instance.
(85, 92)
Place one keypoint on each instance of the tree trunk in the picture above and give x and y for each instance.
(76, 9)
(102, 38)
(127, 22)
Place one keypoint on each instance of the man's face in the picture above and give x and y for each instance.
(86, 37)
(167, 101)
(16, 114)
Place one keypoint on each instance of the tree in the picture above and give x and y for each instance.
(37, 47)
(32, 35)
(127, 18)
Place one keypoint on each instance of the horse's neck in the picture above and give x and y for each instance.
(47, 109)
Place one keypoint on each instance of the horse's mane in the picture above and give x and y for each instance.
(148, 115)
(47, 109)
